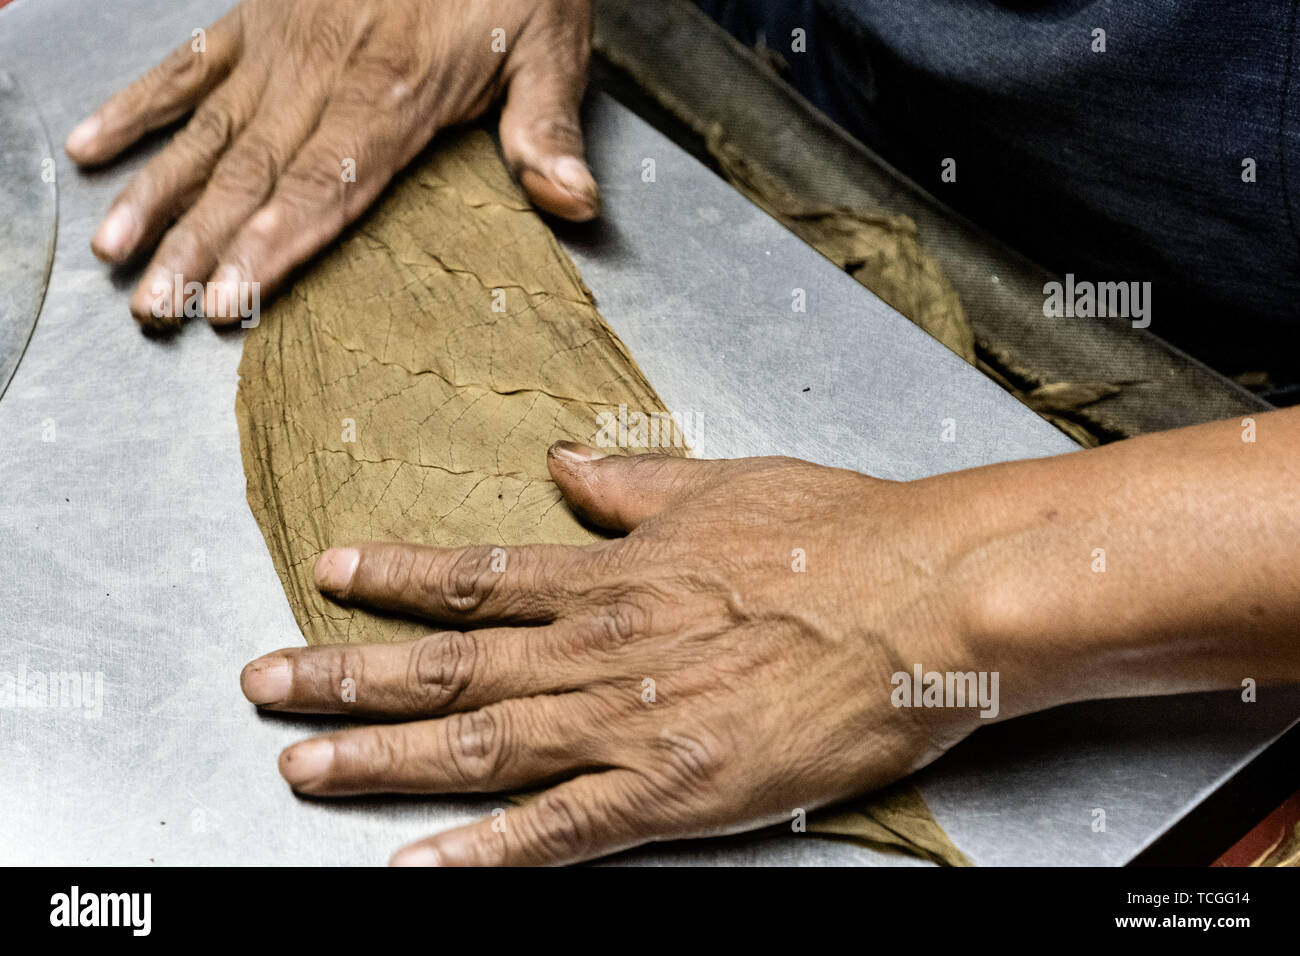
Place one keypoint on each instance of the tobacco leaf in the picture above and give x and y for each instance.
(897, 819)
(408, 386)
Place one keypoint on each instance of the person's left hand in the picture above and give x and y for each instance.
(303, 110)
(724, 666)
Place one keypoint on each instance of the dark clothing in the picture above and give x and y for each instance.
(1118, 165)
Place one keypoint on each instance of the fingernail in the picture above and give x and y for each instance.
(221, 296)
(576, 452)
(335, 568)
(419, 855)
(116, 235)
(302, 763)
(155, 296)
(81, 136)
(571, 173)
(266, 680)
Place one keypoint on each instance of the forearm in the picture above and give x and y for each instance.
(1162, 564)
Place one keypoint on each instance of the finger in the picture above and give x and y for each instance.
(622, 491)
(591, 816)
(443, 672)
(241, 181)
(541, 135)
(162, 95)
(332, 180)
(174, 178)
(529, 583)
(506, 746)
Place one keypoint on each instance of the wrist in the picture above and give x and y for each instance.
(1075, 590)
(1002, 557)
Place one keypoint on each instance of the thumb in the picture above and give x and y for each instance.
(541, 136)
(622, 491)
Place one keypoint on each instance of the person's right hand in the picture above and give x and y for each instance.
(289, 96)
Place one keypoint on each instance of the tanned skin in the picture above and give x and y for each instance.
(766, 602)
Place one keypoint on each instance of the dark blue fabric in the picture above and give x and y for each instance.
(1123, 165)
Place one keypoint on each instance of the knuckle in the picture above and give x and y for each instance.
(315, 184)
(476, 743)
(393, 66)
(560, 132)
(165, 184)
(182, 58)
(196, 238)
(442, 666)
(347, 664)
(210, 131)
(183, 68)
(266, 224)
(250, 167)
(623, 622)
(328, 39)
(689, 763)
(398, 93)
(562, 827)
(324, 672)
(468, 581)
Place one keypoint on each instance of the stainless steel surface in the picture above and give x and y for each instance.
(28, 219)
(127, 549)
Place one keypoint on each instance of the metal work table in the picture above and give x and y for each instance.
(127, 548)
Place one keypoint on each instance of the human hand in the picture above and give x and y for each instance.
(303, 110)
(726, 664)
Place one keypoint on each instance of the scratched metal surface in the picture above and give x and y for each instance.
(127, 548)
